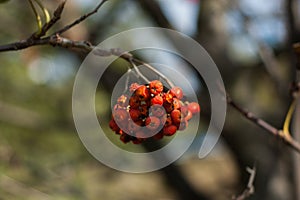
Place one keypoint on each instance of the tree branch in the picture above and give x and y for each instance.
(81, 19)
(265, 125)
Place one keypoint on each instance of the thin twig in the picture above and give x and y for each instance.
(250, 186)
(82, 18)
(129, 57)
(265, 125)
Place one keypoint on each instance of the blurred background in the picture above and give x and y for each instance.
(41, 155)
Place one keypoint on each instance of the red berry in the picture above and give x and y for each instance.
(188, 116)
(125, 138)
(157, 100)
(113, 125)
(120, 115)
(176, 103)
(132, 127)
(142, 92)
(184, 110)
(141, 135)
(186, 113)
(168, 107)
(170, 130)
(152, 123)
(159, 135)
(183, 125)
(168, 98)
(134, 102)
(194, 107)
(134, 114)
(122, 100)
(144, 110)
(137, 141)
(177, 92)
(157, 110)
(168, 121)
(176, 116)
(118, 107)
(156, 87)
(134, 86)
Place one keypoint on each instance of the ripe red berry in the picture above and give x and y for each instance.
(142, 92)
(170, 130)
(194, 107)
(184, 110)
(132, 127)
(168, 97)
(125, 138)
(177, 92)
(152, 123)
(122, 100)
(150, 106)
(118, 107)
(176, 116)
(176, 104)
(168, 107)
(168, 121)
(137, 140)
(134, 114)
(183, 124)
(144, 110)
(157, 100)
(134, 102)
(120, 115)
(188, 116)
(157, 110)
(159, 135)
(186, 113)
(134, 86)
(156, 87)
(113, 125)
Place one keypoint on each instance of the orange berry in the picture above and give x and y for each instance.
(170, 130)
(177, 92)
(156, 87)
(194, 107)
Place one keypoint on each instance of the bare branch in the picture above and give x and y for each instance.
(23, 44)
(265, 125)
(35, 39)
(79, 20)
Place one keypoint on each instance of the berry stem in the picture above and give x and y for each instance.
(168, 81)
(138, 72)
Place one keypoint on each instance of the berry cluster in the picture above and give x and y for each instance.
(150, 112)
